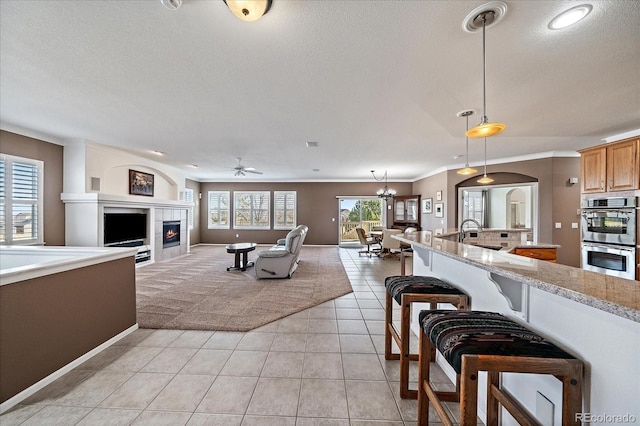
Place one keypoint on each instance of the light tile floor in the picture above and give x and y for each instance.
(321, 366)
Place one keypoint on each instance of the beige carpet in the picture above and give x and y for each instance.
(195, 292)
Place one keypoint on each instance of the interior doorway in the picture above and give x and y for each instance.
(358, 212)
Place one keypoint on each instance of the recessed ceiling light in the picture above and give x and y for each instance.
(193, 166)
(312, 144)
(570, 17)
(455, 157)
(315, 170)
(158, 153)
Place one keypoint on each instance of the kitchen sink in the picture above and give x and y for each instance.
(486, 246)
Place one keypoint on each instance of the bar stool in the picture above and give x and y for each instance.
(407, 290)
(474, 341)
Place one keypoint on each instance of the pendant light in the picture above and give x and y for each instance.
(467, 170)
(485, 178)
(384, 193)
(248, 10)
(485, 128)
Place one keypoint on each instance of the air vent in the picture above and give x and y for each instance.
(312, 144)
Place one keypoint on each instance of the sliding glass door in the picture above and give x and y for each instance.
(358, 213)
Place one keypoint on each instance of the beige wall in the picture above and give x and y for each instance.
(558, 201)
(317, 206)
(52, 156)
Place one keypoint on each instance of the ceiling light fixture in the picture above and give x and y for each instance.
(385, 192)
(570, 17)
(467, 170)
(485, 179)
(159, 153)
(171, 4)
(486, 17)
(248, 10)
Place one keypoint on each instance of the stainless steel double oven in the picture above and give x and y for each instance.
(608, 234)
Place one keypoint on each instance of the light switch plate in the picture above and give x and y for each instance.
(558, 225)
(574, 225)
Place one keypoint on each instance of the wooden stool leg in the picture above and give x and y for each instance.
(493, 407)
(469, 390)
(572, 396)
(388, 322)
(424, 358)
(405, 322)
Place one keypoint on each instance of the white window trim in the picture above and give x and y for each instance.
(188, 197)
(235, 203)
(209, 225)
(275, 209)
(7, 202)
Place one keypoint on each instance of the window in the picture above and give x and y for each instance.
(188, 197)
(284, 209)
(20, 200)
(218, 210)
(251, 209)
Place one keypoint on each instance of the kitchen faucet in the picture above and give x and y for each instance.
(460, 233)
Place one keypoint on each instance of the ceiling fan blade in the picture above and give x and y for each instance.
(254, 171)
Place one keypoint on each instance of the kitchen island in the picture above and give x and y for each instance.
(593, 316)
(58, 307)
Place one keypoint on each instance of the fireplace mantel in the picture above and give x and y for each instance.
(128, 200)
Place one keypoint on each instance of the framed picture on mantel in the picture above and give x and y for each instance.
(140, 183)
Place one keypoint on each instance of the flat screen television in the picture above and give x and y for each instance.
(121, 227)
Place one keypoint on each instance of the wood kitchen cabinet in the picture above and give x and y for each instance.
(548, 254)
(406, 211)
(611, 167)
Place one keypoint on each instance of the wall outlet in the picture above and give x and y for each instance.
(237, 235)
(574, 225)
(558, 225)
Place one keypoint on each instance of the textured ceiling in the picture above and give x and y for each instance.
(376, 83)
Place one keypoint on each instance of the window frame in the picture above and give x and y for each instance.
(228, 210)
(188, 198)
(286, 194)
(236, 210)
(7, 201)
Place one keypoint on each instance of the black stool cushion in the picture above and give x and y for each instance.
(397, 285)
(456, 333)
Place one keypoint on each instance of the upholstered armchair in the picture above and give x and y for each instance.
(367, 241)
(281, 261)
(390, 246)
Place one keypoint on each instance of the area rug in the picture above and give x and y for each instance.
(195, 292)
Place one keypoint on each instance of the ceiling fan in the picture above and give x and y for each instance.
(240, 170)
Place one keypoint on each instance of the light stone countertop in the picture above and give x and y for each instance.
(615, 295)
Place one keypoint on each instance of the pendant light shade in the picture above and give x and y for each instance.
(485, 178)
(485, 128)
(467, 170)
(248, 10)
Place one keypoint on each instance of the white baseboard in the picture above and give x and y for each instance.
(16, 399)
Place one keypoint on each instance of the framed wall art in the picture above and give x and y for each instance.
(439, 209)
(427, 205)
(140, 183)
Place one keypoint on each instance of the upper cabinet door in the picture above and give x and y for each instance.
(412, 210)
(399, 207)
(594, 170)
(622, 166)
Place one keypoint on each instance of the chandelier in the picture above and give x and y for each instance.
(384, 193)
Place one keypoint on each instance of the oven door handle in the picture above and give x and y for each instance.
(616, 250)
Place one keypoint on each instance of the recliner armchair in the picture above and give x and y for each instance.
(281, 261)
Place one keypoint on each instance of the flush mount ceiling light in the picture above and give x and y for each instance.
(385, 192)
(570, 17)
(248, 10)
(485, 178)
(171, 4)
(467, 170)
(489, 15)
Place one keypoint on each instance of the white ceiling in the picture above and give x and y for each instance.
(376, 83)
